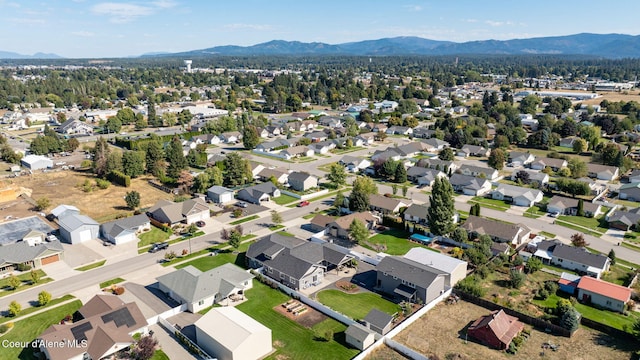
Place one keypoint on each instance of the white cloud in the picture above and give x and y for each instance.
(121, 13)
(164, 4)
(498, 23)
(415, 8)
(83, 33)
(27, 21)
(470, 20)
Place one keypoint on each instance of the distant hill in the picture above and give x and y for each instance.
(599, 45)
(12, 55)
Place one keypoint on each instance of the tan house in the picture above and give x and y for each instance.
(340, 227)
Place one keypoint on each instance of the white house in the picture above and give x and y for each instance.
(519, 196)
(220, 194)
(125, 230)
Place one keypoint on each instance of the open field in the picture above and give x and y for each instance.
(441, 332)
(61, 187)
(384, 352)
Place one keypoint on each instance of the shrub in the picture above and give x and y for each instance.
(472, 286)
(119, 178)
(43, 298)
(14, 308)
(118, 290)
(102, 184)
(23, 267)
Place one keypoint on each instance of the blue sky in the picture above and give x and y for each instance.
(94, 28)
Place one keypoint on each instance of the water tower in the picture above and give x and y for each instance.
(188, 64)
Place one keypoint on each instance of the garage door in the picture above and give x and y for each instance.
(85, 235)
(50, 259)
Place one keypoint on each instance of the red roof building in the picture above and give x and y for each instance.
(608, 295)
(496, 329)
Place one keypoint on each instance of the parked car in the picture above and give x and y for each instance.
(303, 203)
(200, 223)
(555, 214)
(159, 246)
(241, 204)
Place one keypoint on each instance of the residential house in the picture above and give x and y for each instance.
(220, 194)
(354, 164)
(455, 269)
(568, 142)
(231, 137)
(634, 176)
(316, 136)
(125, 230)
(258, 193)
(629, 192)
(423, 176)
(294, 262)
(386, 205)
(473, 150)
(379, 128)
(554, 164)
(256, 168)
(399, 130)
(75, 127)
(424, 133)
(411, 149)
(330, 121)
(471, 170)
(378, 321)
(602, 172)
(470, 185)
(434, 144)
(568, 282)
(339, 227)
(33, 253)
(301, 181)
(409, 280)
(262, 132)
(296, 151)
(624, 220)
(604, 294)
(417, 213)
(496, 329)
(367, 138)
(359, 336)
(107, 327)
(534, 176)
(200, 290)
(230, 334)
(445, 166)
(514, 234)
(277, 144)
(209, 139)
(569, 206)
(188, 211)
(281, 175)
(518, 158)
(319, 222)
(386, 105)
(570, 257)
(517, 195)
(386, 154)
(322, 147)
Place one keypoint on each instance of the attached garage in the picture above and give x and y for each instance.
(50, 259)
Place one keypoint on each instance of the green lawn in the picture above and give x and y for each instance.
(241, 221)
(152, 236)
(547, 234)
(284, 199)
(356, 306)
(630, 246)
(206, 263)
(582, 224)
(91, 266)
(276, 227)
(396, 241)
(26, 282)
(534, 212)
(490, 203)
(159, 355)
(618, 275)
(27, 330)
(293, 341)
(344, 151)
(110, 282)
(29, 310)
(610, 318)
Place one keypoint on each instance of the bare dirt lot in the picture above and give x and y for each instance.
(439, 332)
(63, 187)
(614, 97)
(384, 352)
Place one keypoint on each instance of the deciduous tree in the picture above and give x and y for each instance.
(132, 198)
(578, 240)
(497, 159)
(358, 231)
(43, 298)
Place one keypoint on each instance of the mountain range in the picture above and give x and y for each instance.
(611, 46)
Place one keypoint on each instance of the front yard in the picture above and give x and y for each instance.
(593, 226)
(356, 306)
(206, 263)
(290, 339)
(152, 236)
(490, 203)
(392, 242)
(284, 199)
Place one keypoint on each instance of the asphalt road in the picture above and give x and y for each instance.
(143, 261)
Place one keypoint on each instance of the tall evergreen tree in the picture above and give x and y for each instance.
(154, 157)
(175, 158)
(401, 174)
(441, 210)
(133, 163)
(100, 157)
(250, 137)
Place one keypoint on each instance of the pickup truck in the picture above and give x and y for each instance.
(158, 246)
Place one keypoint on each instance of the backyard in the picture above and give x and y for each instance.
(392, 242)
(290, 339)
(356, 306)
(442, 333)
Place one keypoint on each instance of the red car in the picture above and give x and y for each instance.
(303, 203)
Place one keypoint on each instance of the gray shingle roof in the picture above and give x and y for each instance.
(116, 227)
(21, 252)
(193, 285)
(378, 318)
(494, 228)
(74, 221)
(408, 270)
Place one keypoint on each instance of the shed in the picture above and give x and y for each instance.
(359, 336)
(229, 334)
(496, 329)
(76, 228)
(220, 194)
(36, 162)
(378, 321)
